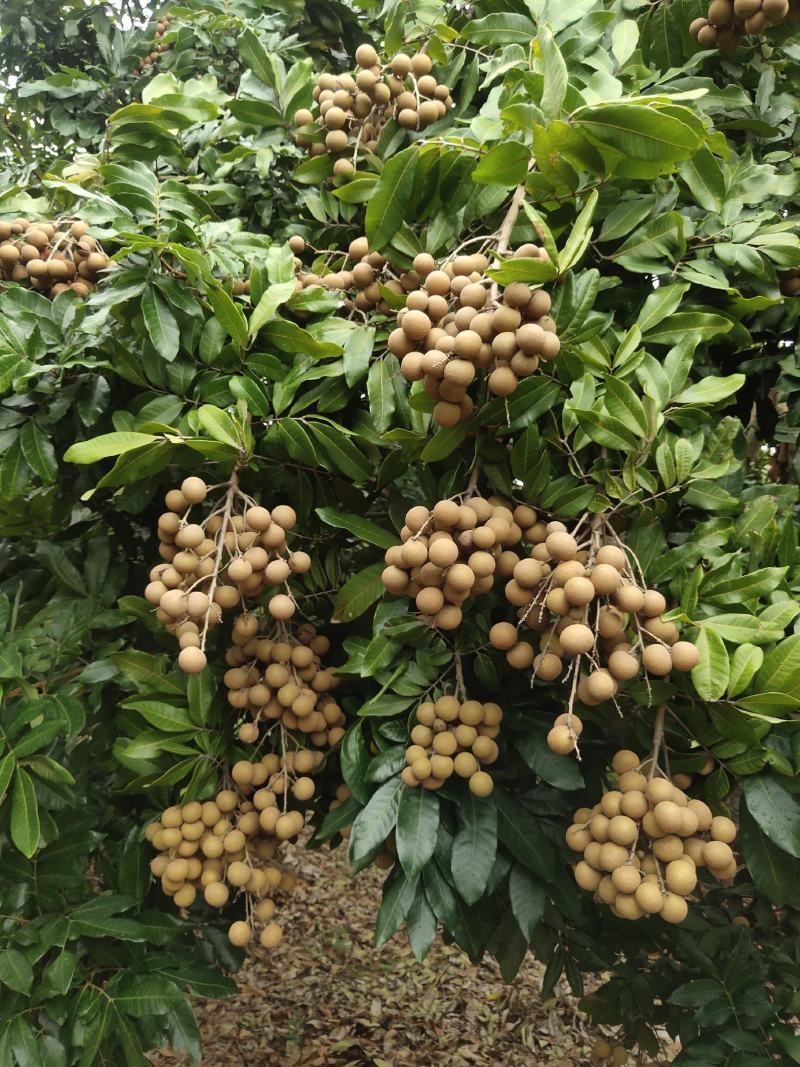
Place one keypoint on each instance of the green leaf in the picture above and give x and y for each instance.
(555, 74)
(286, 336)
(166, 717)
(15, 971)
(579, 237)
(417, 826)
(474, 847)
(24, 814)
(362, 529)
(501, 28)
(625, 406)
(774, 871)
(336, 446)
(270, 301)
(746, 661)
(38, 451)
(109, 444)
(528, 899)
(398, 896)
(388, 205)
(354, 758)
(444, 442)
(775, 809)
(230, 315)
(380, 390)
(504, 164)
(219, 425)
(711, 390)
(258, 59)
(374, 823)
(781, 669)
(161, 325)
(7, 764)
(358, 593)
(59, 973)
(522, 835)
(710, 676)
(645, 133)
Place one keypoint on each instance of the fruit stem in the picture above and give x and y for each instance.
(507, 225)
(658, 739)
(461, 687)
(233, 484)
(472, 484)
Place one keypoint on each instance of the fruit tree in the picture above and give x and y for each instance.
(398, 453)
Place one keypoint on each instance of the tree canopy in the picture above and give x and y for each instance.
(227, 292)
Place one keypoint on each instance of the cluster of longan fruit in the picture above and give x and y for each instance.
(354, 108)
(451, 553)
(453, 737)
(360, 278)
(281, 678)
(790, 282)
(608, 1055)
(159, 46)
(222, 847)
(457, 324)
(642, 844)
(585, 601)
(49, 258)
(215, 564)
(727, 21)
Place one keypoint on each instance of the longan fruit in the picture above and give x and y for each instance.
(303, 789)
(577, 838)
(612, 555)
(239, 934)
(634, 805)
(685, 656)
(576, 639)
(271, 936)
(623, 666)
(547, 666)
(631, 781)
(657, 660)
(622, 830)
(681, 877)
(717, 855)
(465, 765)
(668, 847)
(674, 909)
(601, 685)
(586, 877)
(561, 740)
(192, 660)
(366, 56)
(668, 816)
(704, 816)
(480, 784)
(194, 490)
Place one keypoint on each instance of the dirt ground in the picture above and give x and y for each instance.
(328, 998)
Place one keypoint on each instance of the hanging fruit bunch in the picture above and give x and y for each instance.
(51, 257)
(453, 737)
(728, 21)
(225, 847)
(352, 109)
(278, 677)
(360, 275)
(643, 843)
(591, 608)
(606, 1054)
(458, 323)
(235, 553)
(453, 552)
(159, 45)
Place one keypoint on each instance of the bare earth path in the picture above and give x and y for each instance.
(328, 998)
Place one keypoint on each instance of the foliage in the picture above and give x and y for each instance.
(663, 182)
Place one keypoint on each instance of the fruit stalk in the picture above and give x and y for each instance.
(233, 485)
